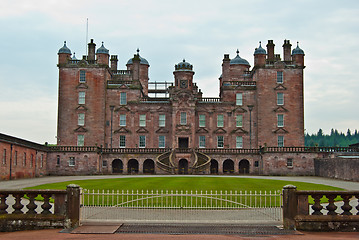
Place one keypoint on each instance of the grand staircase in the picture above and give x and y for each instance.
(201, 163)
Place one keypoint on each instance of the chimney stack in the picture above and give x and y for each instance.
(287, 51)
(270, 50)
(114, 61)
(91, 51)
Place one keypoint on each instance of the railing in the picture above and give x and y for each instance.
(73, 149)
(164, 163)
(310, 149)
(156, 100)
(135, 150)
(183, 150)
(228, 151)
(122, 72)
(181, 206)
(120, 82)
(38, 209)
(209, 100)
(202, 164)
(241, 83)
(331, 209)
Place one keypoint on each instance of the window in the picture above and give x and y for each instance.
(31, 160)
(280, 141)
(42, 160)
(15, 158)
(82, 96)
(290, 162)
(161, 141)
(142, 120)
(80, 140)
(82, 76)
(202, 120)
(142, 143)
(4, 157)
(279, 77)
(239, 142)
(104, 163)
(72, 161)
(81, 119)
(239, 121)
(280, 99)
(239, 99)
(122, 120)
(58, 160)
(183, 118)
(220, 141)
(202, 141)
(220, 120)
(256, 163)
(122, 141)
(280, 120)
(162, 120)
(24, 160)
(123, 98)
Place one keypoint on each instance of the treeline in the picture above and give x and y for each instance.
(334, 139)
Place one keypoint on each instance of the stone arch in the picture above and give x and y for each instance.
(228, 166)
(183, 166)
(149, 166)
(132, 166)
(244, 166)
(117, 166)
(214, 166)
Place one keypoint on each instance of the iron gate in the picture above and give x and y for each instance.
(182, 206)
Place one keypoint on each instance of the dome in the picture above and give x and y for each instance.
(297, 50)
(74, 57)
(260, 50)
(102, 49)
(64, 49)
(183, 66)
(142, 60)
(239, 60)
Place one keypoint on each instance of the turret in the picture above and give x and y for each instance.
(270, 50)
(287, 51)
(298, 56)
(260, 56)
(184, 75)
(102, 55)
(64, 54)
(91, 51)
(139, 67)
(238, 66)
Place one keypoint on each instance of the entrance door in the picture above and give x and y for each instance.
(183, 166)
(183, 142)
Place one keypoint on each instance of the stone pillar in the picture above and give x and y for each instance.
(290, 203)
(73, 206)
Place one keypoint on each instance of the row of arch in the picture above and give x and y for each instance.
(149, 166)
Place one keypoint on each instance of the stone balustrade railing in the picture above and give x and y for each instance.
(19, 209)
(331, 210)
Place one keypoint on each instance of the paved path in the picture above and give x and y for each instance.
(23, 183)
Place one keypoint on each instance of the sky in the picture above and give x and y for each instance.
(166, 32)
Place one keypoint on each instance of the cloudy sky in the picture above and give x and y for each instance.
(200, 31)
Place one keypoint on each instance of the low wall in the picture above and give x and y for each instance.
(345, 168)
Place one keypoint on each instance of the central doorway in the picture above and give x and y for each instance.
(183, 142)
(183, 166)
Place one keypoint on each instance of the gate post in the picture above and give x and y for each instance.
(290, 207)
(73, 206)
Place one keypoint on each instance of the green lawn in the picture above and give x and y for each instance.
(182, 184)
(186, 183)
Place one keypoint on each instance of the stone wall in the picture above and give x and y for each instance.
(345, 168)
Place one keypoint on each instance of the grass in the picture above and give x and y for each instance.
(186, 184)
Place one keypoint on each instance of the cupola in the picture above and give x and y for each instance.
(102, 50)
(183, 66)
(239, 60)
(142, 60)
(64, 49)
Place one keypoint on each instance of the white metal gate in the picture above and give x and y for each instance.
(182, 206)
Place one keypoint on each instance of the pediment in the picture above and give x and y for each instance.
(280, 87)
(82, 107)
(202, 130)
(219, 131)
(122, 130)
(162, 130)
(183, 128)
(280, 109)
(123, 86)
(279, 64)
(239, 130)
(280, 130)
(239, 109)
(142, 130)
(83, 63)
(82, 85)
(122, 109)
(80, 129)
